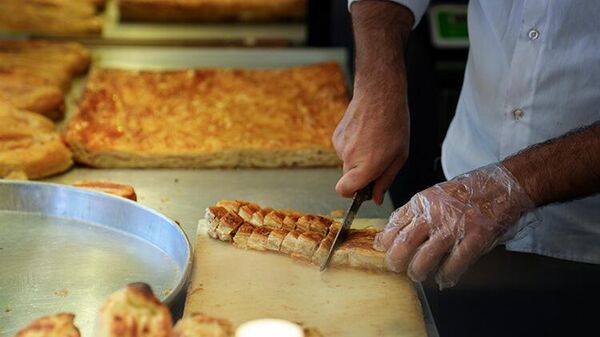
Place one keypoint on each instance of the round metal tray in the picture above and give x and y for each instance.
(65, 249)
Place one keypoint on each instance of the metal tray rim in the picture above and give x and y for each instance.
(186, 272)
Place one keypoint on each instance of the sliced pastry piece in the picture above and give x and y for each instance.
(242, 235)
(232, 205)
(120, 190)
(290, 220)
(276, 238)
(228, 224)
(212, 216)
(320, 224)
(258, 239)
(133, 312)
(258, 218)
(306, 245)
(247, 211)
(274, 220)
(321, 254)
(288, 246)
(59, 325)
(200, 325)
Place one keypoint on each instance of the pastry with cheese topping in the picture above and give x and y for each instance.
(209, 118)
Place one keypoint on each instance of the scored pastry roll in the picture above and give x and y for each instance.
(314, 223)
(232, 205)
(242, 235)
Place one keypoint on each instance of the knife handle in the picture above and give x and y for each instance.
(366, 193)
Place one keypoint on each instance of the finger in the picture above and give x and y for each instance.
(463, 255)
(405, 245)
(399, 219)
(383, 183)
(430, 255)
(356, 178)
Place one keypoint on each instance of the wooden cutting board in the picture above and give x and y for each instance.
(243, 285)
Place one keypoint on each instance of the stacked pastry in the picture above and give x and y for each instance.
(135, 312)
(305, 237)
(34, 75)
(52, 17)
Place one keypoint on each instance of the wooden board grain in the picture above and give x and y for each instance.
(243, 285)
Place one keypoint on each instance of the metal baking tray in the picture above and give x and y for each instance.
(117, 32)
(65, 249)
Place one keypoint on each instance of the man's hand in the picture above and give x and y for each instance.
(450, 225)
(372, 138)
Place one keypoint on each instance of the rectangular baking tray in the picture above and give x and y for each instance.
(65, 249)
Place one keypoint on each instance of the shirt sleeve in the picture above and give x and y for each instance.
(417, 7)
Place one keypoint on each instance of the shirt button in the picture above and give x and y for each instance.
(533, 34)
(518, 114)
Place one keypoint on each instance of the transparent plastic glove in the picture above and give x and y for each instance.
(449, 226)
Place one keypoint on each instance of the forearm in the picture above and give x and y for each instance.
(560, 169)
(381, 30)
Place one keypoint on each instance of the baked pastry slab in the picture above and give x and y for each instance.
(59, 325)
(209, 118)
(212, 10)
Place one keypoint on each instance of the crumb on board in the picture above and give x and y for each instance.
(62, 293)
(337, 213)
(7, 308)
(176, 180)
(165, 199)
(166, 291)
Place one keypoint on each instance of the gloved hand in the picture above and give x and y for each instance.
(450, 225)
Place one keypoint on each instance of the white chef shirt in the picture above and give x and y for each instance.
(533, 74)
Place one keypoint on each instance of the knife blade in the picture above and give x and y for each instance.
(359, 197)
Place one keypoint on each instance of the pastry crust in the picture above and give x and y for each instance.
(51, 17)
(120, 190)
(274, 220)
(212, 10)
(29, 144)
(200, 325)
(59, 325)
(258, 239)
(288, 246)
(306, 245)
(275, 239)
(212, 215)
(209, 118)
(228, 224)
(133, 312)
(242, 235)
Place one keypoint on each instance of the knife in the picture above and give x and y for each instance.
(359, 197)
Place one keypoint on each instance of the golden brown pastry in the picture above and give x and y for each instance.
(276, 239)
(59, 325)
(121, 190)
(242, 235)
(133, 312)
(212, 10)
(200, 325)
(208, 118)
(258, 239)
(29, 144)
(306, 245)
(228, 224)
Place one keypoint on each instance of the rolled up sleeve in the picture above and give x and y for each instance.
(417, 7)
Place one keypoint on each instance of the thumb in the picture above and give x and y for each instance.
(354, 179)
